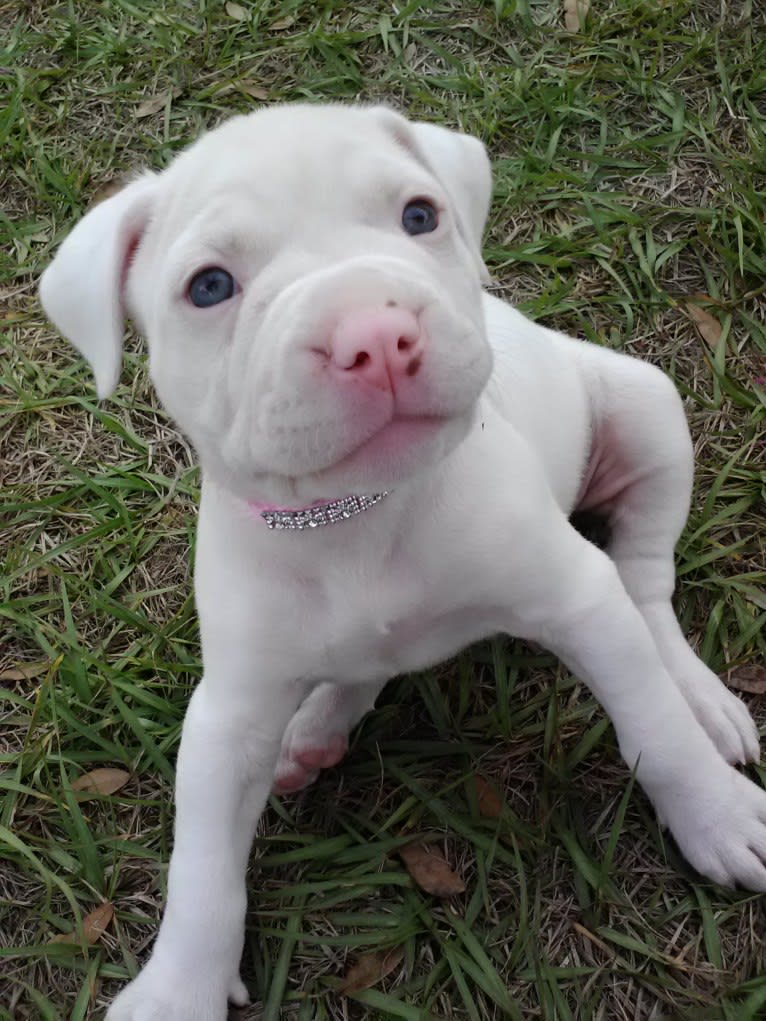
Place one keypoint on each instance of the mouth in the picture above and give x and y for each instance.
(392, 446)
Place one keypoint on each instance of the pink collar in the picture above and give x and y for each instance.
(316, 514)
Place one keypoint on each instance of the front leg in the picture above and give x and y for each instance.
(229, 749)
(577, 606)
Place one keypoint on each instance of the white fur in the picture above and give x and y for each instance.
(505, 426)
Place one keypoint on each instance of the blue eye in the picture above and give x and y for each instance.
(420, 217)
(210, 287)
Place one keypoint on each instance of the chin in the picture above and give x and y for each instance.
(393, 456)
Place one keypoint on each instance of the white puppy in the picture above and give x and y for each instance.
(389, 461)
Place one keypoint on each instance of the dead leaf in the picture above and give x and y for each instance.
(156, 103)
(249, 88)
(575, 13)
(254, 90)
(430, 871)
(370, 969)
(24, 671)
(107, 190)
(490, 802)
(707, 325)
(104, 780)
(237, 11)
(96, 922)
(93, 926)
(281, 23)
(751, 678)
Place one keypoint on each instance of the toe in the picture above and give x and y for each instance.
(336, 749)
(311, 758)
(751, 872)
(328, 754)
(294, 778)
(238, 994)
(742, 722)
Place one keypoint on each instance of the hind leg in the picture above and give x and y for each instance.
(317, 735)
(640, 475)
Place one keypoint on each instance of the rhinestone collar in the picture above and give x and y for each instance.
(323, 512)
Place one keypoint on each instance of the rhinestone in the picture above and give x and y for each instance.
(324, 514)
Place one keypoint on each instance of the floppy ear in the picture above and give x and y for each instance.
(82, 289)
(461, 164)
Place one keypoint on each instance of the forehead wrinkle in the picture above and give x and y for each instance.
(196, 245)
(390, 172)
(268, 197)
(230, 226)
(326, 169)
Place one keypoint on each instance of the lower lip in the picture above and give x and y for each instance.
(393, 442)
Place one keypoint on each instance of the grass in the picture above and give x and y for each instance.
(629, 163)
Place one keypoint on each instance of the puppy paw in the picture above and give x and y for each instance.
(725, 717)
(238, 994)
(720, 826)
(159, 994)
(317, 735)
(303, 755)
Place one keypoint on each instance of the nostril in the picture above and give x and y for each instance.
(361, 359)
(375, 345)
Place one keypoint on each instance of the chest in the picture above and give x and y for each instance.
(404, 622)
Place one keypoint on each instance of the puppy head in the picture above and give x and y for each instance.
(309, 283)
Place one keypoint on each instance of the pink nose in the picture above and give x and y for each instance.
(377, 345)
